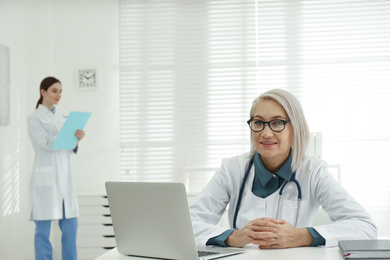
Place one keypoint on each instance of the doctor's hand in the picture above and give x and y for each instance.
(286, 236)
(80, 134)
(255, 232)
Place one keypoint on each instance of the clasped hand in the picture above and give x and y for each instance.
(269, 233)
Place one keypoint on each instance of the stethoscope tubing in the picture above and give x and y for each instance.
(241, 192)
(292, 179)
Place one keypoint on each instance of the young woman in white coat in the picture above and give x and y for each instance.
(275, 190)
(52, 191)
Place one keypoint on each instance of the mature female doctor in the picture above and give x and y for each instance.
(52, 189)
(274, 192)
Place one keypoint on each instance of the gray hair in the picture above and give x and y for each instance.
(293, 108)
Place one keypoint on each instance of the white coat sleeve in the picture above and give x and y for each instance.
(349, 219)
(209, 207)
(39, 134)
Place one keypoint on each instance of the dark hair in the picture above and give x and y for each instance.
(45, 85)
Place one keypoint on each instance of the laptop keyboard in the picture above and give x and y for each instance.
(206, 253)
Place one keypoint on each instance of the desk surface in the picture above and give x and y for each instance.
(301, 253)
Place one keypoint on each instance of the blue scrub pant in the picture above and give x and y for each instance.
(42, 245)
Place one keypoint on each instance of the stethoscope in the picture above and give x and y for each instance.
(292, 179)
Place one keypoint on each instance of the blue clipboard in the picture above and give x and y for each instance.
(66, 138)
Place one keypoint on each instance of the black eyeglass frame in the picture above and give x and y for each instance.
(269, 124)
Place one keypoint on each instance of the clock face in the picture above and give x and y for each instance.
(87, 78)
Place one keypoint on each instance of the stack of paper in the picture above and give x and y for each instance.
(365, 249)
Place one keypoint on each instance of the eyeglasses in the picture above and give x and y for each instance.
(257, 125)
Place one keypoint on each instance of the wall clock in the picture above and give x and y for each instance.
(86, 78)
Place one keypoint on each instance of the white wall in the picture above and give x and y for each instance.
(54, 38)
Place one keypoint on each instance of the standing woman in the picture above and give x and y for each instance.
(52, 190)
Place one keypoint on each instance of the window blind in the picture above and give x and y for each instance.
(189, 71)
(184, 100)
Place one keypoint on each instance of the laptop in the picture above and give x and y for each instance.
(153, 220)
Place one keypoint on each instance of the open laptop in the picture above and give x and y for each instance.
(153, 220)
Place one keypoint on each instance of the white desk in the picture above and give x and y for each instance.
(301, 253)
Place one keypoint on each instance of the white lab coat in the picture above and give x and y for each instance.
(51, 181)
(349, 218)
